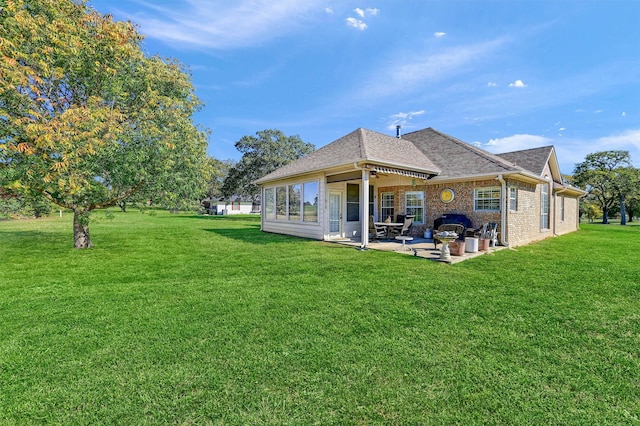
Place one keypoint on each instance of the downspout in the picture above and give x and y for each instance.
(503, 211)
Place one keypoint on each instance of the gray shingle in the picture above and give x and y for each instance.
(457, 158)
(359, 145)
(534, 159)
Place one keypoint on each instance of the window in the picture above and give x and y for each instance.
(414, 202)
(562, 208)
(372, 200)
(487, 199)
(544, 207)
(386, 206)
(281, 202)
(296, 202)
(270, 203)
(513, 199)
(353, 202)
(310, 208)
(295, 198)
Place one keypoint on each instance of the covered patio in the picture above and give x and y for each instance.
(419, 247)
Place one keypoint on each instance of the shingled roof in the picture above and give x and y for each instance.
(427, 151)
(534, 159)
(459, 159)
(359, 146)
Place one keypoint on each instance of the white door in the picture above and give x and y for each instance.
(335, 214)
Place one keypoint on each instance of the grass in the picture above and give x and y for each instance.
(206, 320)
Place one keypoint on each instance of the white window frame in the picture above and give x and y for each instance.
(271, 202)
(385, 197)
(487, 199)
(544, 207)
(410, 209)
(513, 199)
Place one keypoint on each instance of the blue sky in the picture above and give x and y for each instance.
(505, 75)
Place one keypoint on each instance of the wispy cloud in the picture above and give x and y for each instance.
(402, 118)
(417, 70)
(515, 143)
(359, 24)
(439, 34)
(570, 151)
(218, 24)
(356, 23)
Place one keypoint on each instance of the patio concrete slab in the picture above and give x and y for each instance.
(418, 247)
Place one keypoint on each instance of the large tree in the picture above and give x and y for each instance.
(86, 119)
(604, 175)
(262, 154)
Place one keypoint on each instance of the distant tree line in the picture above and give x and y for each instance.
(612, 184)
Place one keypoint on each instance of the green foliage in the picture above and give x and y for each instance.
(86, 119)
(206, 320)
(261, 155)
(609, 178)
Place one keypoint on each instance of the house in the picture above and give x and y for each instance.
(233, 205)
(330, 193)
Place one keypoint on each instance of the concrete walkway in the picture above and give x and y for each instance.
(418, 247)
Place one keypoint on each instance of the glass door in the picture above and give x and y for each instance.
(335, 214)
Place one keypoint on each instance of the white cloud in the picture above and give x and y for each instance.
(439, 34)
(420, 68)
(359, 12)
(356, 23)
(402, 118)
(220, 24)
(516, 143)
(624, 114)
(492, 84)
(624, 141)
(570, 151)
(328, 10)
(517, 83)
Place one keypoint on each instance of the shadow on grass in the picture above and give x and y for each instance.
(252, 235)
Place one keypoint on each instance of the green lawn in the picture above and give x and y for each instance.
(205, 320)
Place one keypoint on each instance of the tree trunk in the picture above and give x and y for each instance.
(81, 229)
(605, 215)
(123, 206)
(623, 213)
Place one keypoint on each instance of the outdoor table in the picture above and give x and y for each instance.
(389, 227)
(404, 238)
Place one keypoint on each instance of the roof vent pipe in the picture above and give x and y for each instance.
(398, 135)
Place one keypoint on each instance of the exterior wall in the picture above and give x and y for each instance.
(463, 202)
(570, 222)
(313, 230)
(244, 208)
(523, 225)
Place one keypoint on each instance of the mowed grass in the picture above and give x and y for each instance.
(183, 319)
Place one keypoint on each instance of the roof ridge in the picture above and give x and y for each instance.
(479, 151)
(362, 141)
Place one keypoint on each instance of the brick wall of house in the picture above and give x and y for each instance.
(524, 224)
(463, 202)
(570, 222)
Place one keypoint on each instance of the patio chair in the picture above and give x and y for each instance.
(455, 227)
(376, 231)
(406, 227)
